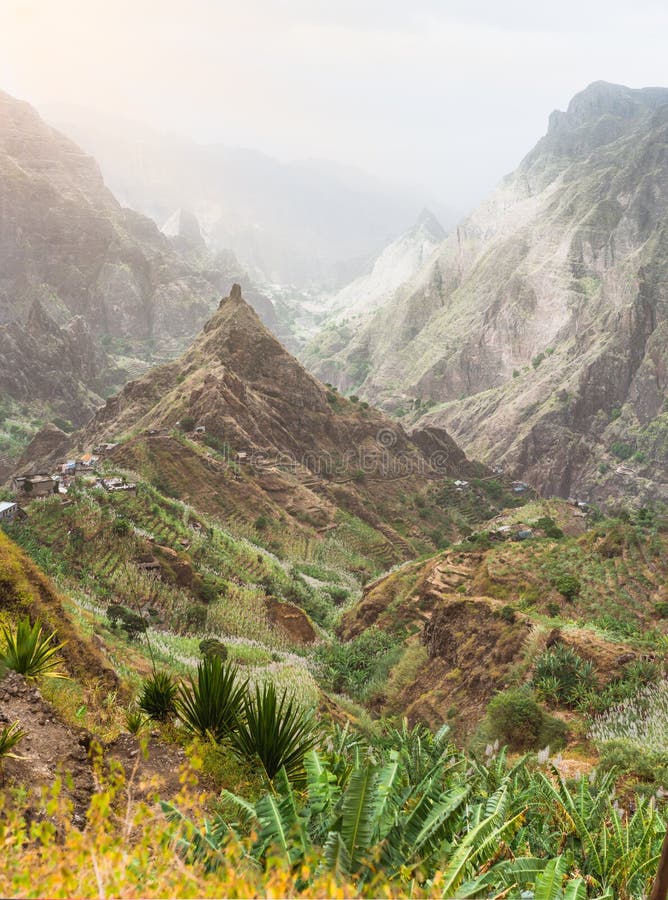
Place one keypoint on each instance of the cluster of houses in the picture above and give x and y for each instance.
(42, 484)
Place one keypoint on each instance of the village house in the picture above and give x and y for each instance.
(87, 462)
(116, 483)
(39, 484)
(10, 512)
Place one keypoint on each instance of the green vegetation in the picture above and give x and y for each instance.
(275, 731)
(10, 736)
(515, 719)
(158, 696)
(561, 676)
(210, 703)
(30, 653)
(414, 812)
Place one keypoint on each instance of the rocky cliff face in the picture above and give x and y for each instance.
(58, 367)
(542, 323)
(65, 241)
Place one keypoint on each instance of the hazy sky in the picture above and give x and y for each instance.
(448, 94)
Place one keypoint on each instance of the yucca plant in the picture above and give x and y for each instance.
(276, 731)
(158, 695)
(211, 704)
(10, 736)
(135, 720)
(29, 652)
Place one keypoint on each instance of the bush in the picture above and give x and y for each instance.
(211, 703)
(30, 653)
(627, 758)
(275, 731)
(351, 667)
(121, 527)
(135, 720)
(131, 622)
(187, 423)
(158, 695)
(508, 614)
(568, 586)
(515, 718)
(213, 647)
(572, 674)
(261, 522)
(553, 610)
(661, 609)
(549, 527)
(621, 450)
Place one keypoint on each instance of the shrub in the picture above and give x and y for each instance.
(549, 527)
(158, 695)
(187, 423)
(350, 667)
(211, 703)
(568, 586)
(625, 757)
(28, 652)
(121, 527)
(537, 360)
(132, 623)
(508, 614)
(516, 719)
(261, 522)
(661, 609)
(135, 720)
(276, 731)
(573, 674)
(553, 609)
(213, 647)
(621, 450)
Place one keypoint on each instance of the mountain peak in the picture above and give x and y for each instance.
(427, 221)
(601, 98)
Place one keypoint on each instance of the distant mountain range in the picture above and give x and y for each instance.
(307, 223)
(90, 292)
(539, 330)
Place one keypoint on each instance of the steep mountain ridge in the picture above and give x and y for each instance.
(542, 321)
(237, 424)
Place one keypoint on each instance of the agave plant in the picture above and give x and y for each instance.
(29, 652)
(10, 736)
(158, 695)
(276, 731)
(135, 720)
(211, 704)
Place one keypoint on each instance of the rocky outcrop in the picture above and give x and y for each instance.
(62, 368)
